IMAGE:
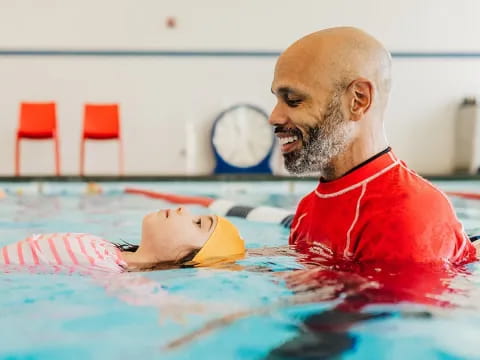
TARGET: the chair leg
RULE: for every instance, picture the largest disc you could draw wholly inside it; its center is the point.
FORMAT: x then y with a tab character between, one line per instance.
17	157
82	157
57	156
121	159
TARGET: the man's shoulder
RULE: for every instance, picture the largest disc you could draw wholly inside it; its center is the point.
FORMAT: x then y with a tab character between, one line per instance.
406	186
307	199
409	201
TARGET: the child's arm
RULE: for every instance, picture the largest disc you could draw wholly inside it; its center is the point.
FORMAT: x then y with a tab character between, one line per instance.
138	290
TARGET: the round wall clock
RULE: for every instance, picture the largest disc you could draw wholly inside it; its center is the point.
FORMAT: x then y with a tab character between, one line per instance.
242	140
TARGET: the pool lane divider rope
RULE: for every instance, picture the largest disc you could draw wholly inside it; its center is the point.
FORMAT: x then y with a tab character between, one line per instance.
223	207
267	214
175	199
464	195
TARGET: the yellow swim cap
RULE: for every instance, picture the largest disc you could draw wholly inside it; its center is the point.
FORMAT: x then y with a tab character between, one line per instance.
225	242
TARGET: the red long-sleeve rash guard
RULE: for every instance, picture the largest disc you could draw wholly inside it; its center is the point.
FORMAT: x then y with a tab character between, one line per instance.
381	211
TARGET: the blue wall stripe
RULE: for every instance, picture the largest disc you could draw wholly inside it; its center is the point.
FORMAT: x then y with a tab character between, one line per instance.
221	53
453	55
139	53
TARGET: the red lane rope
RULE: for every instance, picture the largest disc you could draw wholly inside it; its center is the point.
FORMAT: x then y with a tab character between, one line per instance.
176	199
465	195
206	201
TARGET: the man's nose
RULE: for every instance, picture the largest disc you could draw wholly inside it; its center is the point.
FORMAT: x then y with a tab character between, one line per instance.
278	116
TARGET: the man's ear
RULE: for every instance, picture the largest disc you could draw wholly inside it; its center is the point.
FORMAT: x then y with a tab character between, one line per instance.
361	97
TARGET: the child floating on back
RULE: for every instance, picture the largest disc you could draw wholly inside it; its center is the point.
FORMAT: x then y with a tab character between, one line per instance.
170	238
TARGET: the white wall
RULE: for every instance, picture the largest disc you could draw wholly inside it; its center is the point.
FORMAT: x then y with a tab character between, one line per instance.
159	96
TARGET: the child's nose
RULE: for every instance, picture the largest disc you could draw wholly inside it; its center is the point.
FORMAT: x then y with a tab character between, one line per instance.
181	211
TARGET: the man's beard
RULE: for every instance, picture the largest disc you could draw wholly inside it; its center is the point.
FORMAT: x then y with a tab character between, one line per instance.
322	143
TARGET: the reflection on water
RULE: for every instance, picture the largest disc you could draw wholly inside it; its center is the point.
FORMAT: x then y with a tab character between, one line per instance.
357	296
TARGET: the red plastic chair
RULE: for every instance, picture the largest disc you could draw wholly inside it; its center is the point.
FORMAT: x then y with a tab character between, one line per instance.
38	121
101	122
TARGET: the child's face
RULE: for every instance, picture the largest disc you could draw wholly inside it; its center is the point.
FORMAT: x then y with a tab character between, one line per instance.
171	234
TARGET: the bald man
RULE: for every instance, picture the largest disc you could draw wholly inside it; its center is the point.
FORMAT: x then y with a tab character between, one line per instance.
332	89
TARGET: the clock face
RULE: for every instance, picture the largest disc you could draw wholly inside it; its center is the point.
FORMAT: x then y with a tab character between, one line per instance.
242	136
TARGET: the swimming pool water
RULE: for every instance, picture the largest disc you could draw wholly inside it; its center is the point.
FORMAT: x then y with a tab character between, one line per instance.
243	311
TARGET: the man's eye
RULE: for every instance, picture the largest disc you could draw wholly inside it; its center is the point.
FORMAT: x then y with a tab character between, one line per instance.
292	102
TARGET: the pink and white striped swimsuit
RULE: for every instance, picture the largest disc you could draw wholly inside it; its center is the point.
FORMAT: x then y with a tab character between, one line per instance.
73	251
